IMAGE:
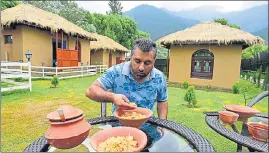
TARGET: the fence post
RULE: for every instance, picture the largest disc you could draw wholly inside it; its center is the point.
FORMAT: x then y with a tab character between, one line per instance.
43	71
42	63
21	67
81	64
30	75
56	71
56	68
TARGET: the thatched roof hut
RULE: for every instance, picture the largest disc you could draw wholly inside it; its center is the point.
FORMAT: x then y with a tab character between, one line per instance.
27	14
210	33
106	43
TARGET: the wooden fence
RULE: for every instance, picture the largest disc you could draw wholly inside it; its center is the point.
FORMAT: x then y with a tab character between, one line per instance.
67	72
13	70
253	64
162	65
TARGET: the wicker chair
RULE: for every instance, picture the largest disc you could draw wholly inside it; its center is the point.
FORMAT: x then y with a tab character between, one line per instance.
254	101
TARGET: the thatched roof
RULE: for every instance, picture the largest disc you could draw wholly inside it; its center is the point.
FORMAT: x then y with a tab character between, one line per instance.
27	14
106	43
210	33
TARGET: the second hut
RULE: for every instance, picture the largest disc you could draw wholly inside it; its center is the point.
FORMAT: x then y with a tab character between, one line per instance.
208	53
106	51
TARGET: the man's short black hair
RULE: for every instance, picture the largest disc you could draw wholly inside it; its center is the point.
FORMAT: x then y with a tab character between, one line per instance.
145	45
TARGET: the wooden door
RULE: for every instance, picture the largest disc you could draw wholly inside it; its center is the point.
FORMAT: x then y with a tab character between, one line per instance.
118	60
110	59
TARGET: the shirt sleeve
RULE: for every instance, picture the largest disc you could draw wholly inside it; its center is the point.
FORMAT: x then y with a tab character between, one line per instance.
162	94
107	79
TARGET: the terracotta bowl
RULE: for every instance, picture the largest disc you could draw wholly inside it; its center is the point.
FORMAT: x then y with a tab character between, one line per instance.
103	135
227	117
258	130
137	123
244	112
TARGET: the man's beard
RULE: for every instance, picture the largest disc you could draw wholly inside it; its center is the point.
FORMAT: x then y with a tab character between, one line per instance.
139	75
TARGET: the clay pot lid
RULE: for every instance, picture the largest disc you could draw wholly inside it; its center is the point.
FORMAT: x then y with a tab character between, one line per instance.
65	112
228	113
241	109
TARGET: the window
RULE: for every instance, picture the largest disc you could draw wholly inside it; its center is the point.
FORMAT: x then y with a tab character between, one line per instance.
202	64
8	39
60	43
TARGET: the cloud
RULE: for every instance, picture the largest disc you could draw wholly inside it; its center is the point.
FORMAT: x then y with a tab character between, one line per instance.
223	6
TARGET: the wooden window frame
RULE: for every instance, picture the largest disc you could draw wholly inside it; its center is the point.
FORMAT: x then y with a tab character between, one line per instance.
6	36
202	74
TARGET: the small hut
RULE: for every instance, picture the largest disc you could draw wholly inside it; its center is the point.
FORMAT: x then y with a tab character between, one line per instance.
106	51
208	53
48	36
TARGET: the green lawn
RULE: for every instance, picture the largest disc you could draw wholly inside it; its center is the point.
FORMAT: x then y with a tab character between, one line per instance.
24	113
4	85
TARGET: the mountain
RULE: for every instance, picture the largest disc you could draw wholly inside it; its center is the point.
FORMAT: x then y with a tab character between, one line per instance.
263	33
158	22
250	20
202	13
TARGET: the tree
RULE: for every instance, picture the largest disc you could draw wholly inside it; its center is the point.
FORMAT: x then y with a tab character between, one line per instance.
190	96
224	21
50	6
266	79
66	9
259	73
246	91
253	51
235	26
8	4
115	7
120	28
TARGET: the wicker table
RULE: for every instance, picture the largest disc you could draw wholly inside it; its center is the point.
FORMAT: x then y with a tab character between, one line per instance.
193	140
212	120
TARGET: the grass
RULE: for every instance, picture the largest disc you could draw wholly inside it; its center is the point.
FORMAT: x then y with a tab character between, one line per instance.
4	85
24	113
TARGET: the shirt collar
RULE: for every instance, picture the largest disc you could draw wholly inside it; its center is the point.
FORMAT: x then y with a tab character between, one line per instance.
127	70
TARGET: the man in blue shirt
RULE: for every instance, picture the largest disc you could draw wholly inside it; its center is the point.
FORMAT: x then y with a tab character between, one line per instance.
134	81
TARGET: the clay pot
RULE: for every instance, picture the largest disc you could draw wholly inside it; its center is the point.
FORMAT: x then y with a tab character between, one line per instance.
68	128
259	131
227	117
103	135
137	123
244	112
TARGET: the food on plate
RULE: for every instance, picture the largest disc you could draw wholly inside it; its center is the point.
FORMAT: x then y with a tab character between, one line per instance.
132	115
118	144
131	103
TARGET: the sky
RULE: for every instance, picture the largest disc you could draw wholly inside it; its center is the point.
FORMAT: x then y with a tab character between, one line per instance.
222	6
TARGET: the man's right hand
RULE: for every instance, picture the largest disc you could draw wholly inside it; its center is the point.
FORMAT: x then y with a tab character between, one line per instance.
121	101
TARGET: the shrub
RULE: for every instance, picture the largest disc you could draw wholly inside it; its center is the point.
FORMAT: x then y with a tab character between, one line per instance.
207	87
259	73
190	96
244	74
235	88
248	75
246	91
266	79
254	76
185	85
20	79
55	81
